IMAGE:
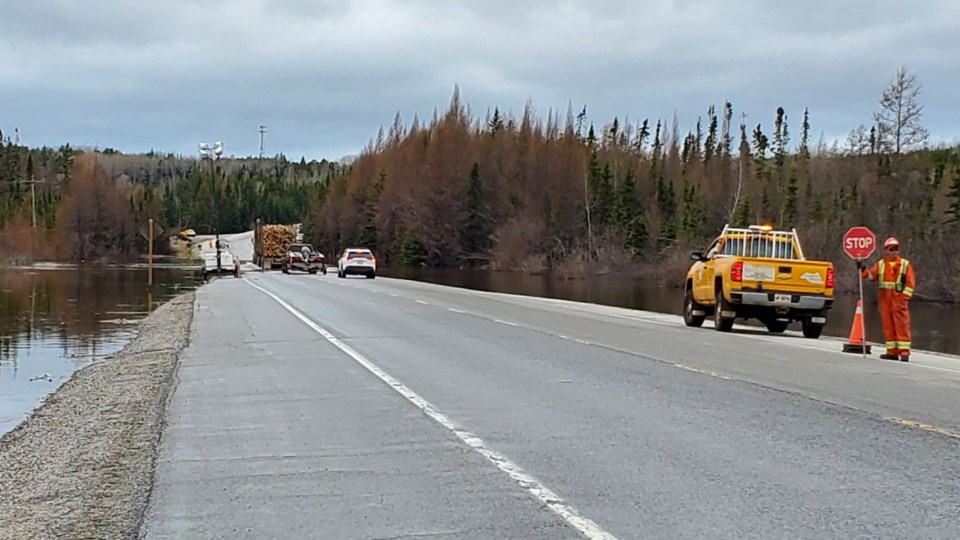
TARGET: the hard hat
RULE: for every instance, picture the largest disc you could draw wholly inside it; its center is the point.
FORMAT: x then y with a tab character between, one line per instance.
891	242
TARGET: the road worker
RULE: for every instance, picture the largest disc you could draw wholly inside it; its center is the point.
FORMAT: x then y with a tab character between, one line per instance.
896	281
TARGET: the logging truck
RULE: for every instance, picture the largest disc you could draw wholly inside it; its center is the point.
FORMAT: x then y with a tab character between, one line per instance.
271	242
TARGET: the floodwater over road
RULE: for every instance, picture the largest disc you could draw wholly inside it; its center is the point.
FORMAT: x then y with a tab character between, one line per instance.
56	320
936	327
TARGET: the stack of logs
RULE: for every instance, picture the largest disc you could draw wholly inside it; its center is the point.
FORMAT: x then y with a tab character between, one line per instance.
276	238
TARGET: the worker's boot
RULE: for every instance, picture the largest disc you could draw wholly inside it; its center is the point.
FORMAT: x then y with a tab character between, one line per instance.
904	357
888	357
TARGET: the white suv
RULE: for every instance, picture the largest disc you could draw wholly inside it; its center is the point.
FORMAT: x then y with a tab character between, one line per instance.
357	261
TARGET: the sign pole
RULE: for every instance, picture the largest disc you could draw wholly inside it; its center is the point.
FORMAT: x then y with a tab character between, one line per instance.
863	321
859	243
150	255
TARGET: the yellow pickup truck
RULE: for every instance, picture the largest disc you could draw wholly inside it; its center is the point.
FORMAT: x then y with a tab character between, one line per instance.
758	273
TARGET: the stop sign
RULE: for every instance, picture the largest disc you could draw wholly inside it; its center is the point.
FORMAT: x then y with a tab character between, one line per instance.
859	243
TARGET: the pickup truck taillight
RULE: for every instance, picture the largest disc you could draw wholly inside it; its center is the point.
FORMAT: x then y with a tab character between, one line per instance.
830	278
736	272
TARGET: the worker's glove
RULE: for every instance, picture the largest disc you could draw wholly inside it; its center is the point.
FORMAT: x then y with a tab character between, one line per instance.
861	266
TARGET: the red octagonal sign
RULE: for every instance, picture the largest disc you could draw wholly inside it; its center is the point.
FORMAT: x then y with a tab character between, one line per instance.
859	243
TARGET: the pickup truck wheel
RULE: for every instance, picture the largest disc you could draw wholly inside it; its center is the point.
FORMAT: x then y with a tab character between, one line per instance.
811	330
689	306
776	327
312	271
721	323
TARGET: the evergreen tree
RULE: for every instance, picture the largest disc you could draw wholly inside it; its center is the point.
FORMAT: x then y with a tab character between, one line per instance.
657	145
805	136
693	213
667	205
781	138
368	234
642	135
726	142
601	190
711	145
788	209
743	217
412	252
953	196
760	144
478	225
627	215
496	123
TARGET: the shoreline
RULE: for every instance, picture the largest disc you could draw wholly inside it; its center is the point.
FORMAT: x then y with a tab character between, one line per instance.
82	463
644	272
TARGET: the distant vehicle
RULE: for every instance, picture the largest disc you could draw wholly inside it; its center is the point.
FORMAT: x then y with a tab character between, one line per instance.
357	261
270	243
188	234
229	264
302	257
758	273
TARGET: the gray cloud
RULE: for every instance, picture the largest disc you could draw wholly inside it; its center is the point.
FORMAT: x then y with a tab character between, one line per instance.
325	75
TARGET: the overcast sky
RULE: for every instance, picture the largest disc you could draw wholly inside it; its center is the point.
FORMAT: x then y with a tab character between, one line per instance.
324	75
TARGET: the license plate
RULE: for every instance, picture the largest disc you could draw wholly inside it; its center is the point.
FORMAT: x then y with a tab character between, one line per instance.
782	298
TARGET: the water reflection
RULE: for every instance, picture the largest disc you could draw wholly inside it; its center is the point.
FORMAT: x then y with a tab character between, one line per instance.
935	326
53	321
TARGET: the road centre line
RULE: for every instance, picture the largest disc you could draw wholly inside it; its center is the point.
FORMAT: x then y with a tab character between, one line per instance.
421	302
926	427
914	364
765	339
585	526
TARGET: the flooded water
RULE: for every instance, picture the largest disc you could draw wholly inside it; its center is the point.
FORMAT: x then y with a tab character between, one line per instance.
53	321
936	327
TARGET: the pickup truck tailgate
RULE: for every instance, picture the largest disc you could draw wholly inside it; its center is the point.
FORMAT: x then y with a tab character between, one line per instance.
785	275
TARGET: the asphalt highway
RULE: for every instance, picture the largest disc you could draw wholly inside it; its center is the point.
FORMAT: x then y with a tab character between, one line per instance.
318	407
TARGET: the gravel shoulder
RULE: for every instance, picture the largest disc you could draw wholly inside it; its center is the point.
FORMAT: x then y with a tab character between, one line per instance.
82	465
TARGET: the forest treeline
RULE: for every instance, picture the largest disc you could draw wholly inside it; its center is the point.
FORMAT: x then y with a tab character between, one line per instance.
96	204
559	193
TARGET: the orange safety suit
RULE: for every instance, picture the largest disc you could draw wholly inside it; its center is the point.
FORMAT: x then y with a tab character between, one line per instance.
896	283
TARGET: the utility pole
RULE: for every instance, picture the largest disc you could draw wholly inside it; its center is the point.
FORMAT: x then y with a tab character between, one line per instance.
150	254
263	132
33	201
213	155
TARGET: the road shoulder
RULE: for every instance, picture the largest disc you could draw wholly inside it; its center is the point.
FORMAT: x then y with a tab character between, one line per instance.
81	465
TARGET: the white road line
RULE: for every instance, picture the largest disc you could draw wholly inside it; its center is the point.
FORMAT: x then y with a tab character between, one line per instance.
395	295
508	323
458	311
914	364
587	527
421	302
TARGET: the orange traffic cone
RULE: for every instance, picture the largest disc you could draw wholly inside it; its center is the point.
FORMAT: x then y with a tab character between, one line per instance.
856	343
